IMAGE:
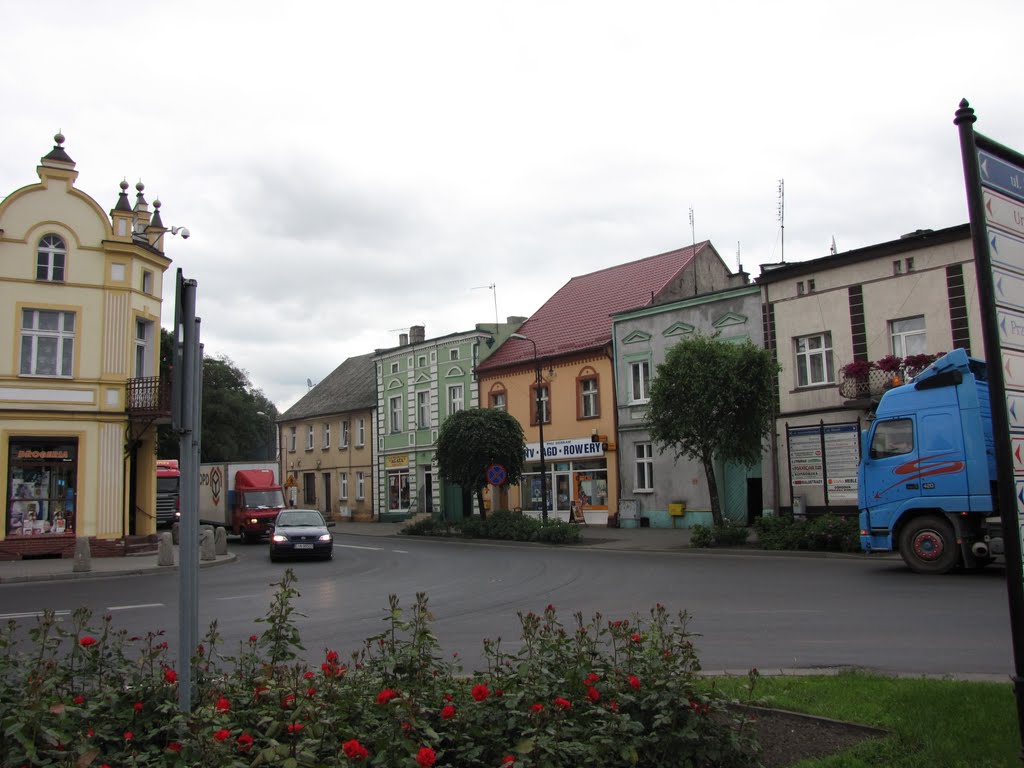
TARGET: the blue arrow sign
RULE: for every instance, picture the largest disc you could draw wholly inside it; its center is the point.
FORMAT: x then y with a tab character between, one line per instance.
1001	175
1006	250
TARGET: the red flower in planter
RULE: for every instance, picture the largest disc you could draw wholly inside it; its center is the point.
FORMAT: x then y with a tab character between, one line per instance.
426	757
354	750
480	692
223	705
858	369
386	695
244	742
593	694
222	734
562	703
447	712
174	747
170	676
537	708
889	364
86	641
634	682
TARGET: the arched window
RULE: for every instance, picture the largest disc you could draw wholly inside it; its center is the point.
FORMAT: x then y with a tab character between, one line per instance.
50	259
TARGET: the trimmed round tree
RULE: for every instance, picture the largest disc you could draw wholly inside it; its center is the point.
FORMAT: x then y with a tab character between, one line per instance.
470	441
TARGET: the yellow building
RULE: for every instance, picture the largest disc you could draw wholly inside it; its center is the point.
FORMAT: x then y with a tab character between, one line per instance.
557	375
80	394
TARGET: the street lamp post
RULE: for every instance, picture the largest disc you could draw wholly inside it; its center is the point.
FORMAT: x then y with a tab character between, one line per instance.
540	427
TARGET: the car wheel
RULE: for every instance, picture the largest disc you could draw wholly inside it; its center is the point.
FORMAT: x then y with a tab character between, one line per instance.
927	545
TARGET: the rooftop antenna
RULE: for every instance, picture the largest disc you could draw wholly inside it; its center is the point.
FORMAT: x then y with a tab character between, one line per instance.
834	250
739	264
309	384
693	240
782	216
493	288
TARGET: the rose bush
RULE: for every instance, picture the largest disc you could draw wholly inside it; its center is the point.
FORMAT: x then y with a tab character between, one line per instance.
597	692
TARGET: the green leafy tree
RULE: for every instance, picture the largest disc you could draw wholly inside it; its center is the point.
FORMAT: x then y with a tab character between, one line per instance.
233	429
471	441
712	400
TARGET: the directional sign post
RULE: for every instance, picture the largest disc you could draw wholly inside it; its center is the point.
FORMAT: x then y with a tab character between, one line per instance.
994	176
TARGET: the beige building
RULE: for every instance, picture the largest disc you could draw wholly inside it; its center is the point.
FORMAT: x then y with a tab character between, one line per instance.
874	307
80	397
327	454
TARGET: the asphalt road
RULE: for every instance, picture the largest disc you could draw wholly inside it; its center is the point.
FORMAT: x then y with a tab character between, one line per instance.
750	610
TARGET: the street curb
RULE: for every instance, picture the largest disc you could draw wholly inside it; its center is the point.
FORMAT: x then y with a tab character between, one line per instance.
113	574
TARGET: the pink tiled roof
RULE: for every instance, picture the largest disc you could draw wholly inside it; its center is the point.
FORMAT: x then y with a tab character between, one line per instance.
578	315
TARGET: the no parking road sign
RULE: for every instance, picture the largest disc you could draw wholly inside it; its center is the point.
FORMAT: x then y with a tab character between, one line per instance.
496	474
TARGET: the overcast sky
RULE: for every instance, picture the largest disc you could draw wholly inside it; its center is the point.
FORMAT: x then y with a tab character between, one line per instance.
349	169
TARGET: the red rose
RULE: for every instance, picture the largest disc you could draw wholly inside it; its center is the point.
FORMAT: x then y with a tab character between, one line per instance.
591	679
311	692
354	750
386	695
79	699
174	746
447	697
562	703
223	705
138	706
593	694
634	682
447	711
332	657
613	705
222	734
426	757
128	735
170	676
508	760
480	692
253	638
288	701
86	641
244	742
635	638
294	727
307	675
536	707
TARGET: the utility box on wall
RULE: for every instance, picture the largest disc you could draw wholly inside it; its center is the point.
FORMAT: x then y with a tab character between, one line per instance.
677	509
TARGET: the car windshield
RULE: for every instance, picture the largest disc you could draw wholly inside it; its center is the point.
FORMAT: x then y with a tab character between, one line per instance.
300	519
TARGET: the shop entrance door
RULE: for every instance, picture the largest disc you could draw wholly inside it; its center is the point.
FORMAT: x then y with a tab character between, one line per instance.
563	492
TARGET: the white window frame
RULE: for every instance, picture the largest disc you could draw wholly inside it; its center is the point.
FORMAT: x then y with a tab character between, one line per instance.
394	367
343	486
395	413
147	281
360	486
807	350
423	409
309	437
51	259
327	434
360	433
294	439
918	336
640	379
589	397
499	400
143	344
453	354
344	434
57	342
456	398
643	475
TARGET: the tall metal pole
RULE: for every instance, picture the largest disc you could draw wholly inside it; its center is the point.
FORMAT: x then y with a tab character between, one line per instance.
540	426
541	412
1006	488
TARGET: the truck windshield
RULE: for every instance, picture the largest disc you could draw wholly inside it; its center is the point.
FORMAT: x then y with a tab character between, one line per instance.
892	438
273	498
167	484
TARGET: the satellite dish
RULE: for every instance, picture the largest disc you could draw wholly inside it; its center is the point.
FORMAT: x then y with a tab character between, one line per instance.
309	383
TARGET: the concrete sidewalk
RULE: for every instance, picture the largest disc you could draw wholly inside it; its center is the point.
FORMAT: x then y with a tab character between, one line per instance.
665	540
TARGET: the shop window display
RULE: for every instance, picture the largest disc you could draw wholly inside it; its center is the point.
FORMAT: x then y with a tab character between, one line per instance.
42	498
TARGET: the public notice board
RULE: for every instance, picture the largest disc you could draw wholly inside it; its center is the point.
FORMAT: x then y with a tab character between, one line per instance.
825	455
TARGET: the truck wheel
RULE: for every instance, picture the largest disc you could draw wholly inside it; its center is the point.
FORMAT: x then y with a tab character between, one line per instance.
927	545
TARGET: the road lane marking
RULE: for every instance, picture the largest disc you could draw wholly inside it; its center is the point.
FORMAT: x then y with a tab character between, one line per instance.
355	546
132	607
30	614
241	597
401	551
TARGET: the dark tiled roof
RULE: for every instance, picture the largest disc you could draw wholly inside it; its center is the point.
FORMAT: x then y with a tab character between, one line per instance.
349	387
577	317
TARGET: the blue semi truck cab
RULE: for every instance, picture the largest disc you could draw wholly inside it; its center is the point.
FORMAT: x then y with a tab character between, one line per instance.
927	475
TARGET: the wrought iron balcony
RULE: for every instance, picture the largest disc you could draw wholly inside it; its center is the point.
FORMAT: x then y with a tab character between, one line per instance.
148	397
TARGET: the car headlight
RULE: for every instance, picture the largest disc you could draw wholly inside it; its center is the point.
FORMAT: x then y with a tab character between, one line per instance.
279	537
254	521
325	537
